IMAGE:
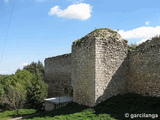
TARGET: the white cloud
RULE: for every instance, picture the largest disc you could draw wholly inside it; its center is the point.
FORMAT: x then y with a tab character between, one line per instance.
80	11
144	33
147	23
141	41
3	72
141	32
11	71
24	64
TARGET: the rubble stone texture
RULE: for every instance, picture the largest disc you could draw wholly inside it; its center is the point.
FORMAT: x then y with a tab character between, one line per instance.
144	69
101	66
58	75
97	64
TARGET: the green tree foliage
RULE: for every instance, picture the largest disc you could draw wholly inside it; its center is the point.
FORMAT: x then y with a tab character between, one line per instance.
6	80
25	86
1	94
35	68
15	96
24	77
37	91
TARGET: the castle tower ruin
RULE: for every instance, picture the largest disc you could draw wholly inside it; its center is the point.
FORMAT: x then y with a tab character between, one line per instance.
99	68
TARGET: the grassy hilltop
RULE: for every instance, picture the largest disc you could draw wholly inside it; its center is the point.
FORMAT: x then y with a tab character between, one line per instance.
114	108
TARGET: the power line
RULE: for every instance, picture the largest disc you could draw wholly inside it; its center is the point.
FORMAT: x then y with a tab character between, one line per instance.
6	35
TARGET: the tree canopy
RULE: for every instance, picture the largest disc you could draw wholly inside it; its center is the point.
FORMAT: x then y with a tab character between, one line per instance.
26	86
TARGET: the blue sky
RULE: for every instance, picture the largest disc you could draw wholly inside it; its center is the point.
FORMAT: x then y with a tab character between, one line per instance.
32	30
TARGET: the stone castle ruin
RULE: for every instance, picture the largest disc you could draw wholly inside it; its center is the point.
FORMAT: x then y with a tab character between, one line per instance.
101	66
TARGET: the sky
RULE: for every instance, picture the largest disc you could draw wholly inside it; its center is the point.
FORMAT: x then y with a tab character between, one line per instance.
32	30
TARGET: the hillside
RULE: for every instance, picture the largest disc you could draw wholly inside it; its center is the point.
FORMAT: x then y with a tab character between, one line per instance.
114	108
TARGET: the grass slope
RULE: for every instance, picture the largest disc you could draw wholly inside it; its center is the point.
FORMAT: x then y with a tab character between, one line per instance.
111	109
11	114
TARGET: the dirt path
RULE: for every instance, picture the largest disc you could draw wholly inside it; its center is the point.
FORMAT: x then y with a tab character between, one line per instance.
24	117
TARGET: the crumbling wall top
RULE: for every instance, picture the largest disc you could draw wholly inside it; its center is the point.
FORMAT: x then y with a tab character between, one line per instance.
104	33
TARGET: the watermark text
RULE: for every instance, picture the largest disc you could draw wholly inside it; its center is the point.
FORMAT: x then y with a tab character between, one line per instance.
141	115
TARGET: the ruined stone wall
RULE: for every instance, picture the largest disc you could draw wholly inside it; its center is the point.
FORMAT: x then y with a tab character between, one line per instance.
58	75
83	71
144	69
99	67
111	65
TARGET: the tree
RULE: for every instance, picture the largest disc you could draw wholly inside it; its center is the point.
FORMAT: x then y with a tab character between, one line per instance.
35	68
15	96
15	87
24	77
32	77
25	86
6	80
1	94
37	91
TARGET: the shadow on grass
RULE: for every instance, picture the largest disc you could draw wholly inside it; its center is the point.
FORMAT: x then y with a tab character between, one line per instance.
119	105
70	108
116	107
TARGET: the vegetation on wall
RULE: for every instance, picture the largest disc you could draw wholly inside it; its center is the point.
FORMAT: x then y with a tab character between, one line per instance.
79	41
132	47
109	30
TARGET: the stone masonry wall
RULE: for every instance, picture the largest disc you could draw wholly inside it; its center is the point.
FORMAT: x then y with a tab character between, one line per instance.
58	75
83	71
111	65
100	67
144	69
98	70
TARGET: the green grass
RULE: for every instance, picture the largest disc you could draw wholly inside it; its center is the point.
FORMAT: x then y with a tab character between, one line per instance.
111	109
87	114
11	114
